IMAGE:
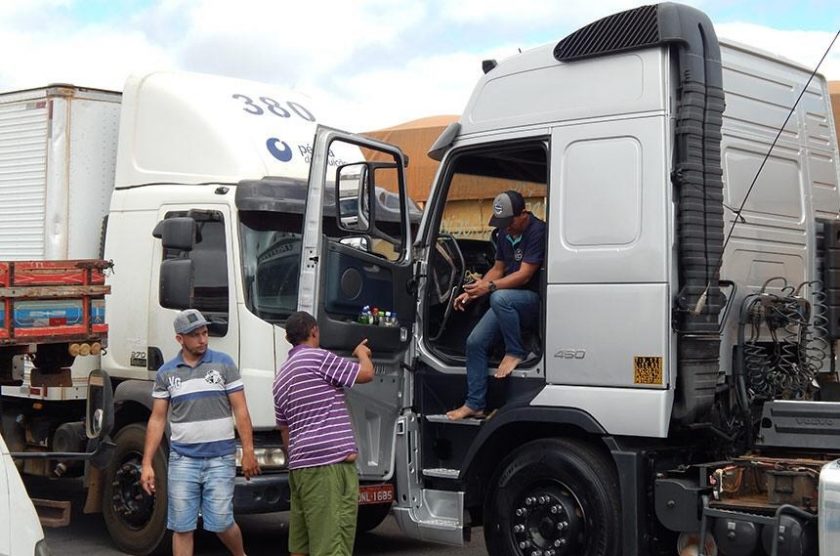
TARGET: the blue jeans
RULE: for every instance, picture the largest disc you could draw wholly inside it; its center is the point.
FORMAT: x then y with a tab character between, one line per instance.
509	310
200	483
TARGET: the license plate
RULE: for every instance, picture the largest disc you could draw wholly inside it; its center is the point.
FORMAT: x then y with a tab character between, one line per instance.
376	494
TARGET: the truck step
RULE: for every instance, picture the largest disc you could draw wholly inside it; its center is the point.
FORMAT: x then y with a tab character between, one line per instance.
442	473
442	418
53	513
442	524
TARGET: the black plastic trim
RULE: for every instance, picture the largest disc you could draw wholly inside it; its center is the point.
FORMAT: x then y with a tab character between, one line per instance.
518	415
263	494
139	391
628	30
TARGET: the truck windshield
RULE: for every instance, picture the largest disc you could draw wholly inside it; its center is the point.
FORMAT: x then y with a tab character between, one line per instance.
271	263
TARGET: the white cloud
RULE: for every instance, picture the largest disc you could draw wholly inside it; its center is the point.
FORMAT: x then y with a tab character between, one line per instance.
803	47
92	57
532	12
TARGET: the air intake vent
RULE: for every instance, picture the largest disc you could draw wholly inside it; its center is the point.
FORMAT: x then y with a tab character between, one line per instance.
629	30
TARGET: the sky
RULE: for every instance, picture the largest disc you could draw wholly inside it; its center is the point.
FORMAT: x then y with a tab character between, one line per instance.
368	64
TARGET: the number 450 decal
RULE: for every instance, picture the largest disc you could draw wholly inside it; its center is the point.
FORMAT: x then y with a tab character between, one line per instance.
268	104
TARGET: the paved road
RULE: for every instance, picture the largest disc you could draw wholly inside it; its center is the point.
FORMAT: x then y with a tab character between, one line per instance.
264	534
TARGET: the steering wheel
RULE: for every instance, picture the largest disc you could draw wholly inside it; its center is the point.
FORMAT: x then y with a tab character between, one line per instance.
448	269
447	275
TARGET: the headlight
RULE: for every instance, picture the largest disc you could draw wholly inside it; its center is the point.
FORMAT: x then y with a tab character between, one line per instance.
267	458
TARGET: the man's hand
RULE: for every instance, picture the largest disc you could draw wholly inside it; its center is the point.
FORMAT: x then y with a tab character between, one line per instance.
147	479
250	467
477	289
362	350
461	301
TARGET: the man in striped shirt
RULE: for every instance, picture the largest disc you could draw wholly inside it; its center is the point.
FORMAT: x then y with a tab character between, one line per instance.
205	394
312	415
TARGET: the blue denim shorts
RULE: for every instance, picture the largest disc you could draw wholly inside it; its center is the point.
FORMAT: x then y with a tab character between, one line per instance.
204	484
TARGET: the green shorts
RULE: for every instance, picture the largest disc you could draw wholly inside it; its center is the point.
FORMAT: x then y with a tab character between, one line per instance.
325	502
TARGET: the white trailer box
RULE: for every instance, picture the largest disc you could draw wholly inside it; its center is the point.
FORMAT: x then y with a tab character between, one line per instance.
58	149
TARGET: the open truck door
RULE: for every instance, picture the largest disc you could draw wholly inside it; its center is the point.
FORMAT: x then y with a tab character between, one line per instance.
357	280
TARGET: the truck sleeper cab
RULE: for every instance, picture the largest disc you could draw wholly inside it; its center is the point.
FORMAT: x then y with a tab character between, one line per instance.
636	138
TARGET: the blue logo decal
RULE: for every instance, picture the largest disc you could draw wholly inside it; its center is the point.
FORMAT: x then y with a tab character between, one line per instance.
279	149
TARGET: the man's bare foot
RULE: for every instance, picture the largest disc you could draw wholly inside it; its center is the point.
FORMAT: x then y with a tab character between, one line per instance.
507	365
464	412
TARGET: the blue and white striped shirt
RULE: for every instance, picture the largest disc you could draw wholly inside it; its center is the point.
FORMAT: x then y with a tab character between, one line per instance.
200	418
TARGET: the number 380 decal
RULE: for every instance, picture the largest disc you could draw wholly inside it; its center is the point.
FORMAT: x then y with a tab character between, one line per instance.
267	105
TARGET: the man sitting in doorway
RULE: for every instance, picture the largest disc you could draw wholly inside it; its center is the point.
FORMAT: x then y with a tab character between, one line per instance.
513	285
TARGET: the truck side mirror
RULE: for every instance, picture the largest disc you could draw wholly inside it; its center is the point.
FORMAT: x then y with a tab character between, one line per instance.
100	406
176	283
352	197
177	233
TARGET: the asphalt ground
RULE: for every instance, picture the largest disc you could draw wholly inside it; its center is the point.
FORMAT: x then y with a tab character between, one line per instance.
265	534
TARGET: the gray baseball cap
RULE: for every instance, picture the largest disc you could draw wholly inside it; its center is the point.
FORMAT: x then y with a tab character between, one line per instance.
506	205
188	320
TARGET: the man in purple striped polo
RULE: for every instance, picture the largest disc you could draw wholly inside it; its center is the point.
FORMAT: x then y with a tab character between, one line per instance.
312	415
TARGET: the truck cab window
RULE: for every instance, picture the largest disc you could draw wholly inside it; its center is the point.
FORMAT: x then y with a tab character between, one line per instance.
270	263
209	257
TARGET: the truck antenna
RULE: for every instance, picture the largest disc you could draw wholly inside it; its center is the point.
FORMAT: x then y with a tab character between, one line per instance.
701	301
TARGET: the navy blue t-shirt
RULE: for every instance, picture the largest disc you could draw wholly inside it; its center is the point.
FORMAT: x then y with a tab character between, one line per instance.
528	247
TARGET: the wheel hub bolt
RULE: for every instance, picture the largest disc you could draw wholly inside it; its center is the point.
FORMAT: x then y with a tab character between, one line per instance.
520	512
537	553
555	509
557	543
549	553
530	501
544	499
518	528
562	525
524	544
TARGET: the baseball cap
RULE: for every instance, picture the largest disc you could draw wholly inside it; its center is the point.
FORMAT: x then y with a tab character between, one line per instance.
506	205
188	320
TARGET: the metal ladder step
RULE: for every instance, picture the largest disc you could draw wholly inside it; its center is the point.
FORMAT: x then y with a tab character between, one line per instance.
53	513
442	418
442	473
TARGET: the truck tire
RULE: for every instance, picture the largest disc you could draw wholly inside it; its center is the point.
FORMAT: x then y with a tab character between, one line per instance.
371	516
555	495
135	521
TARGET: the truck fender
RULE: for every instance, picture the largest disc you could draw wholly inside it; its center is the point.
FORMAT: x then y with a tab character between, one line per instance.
523	415
628	461
139	391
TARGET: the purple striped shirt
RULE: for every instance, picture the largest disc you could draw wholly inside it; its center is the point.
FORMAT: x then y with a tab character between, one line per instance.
309	400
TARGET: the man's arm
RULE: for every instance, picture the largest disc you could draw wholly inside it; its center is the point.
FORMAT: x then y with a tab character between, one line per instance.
496	271
480	287
511	281
362	353
284	432
519	278
154	434
246	435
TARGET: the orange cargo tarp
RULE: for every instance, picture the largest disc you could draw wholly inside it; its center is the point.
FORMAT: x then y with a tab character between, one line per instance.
415	138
